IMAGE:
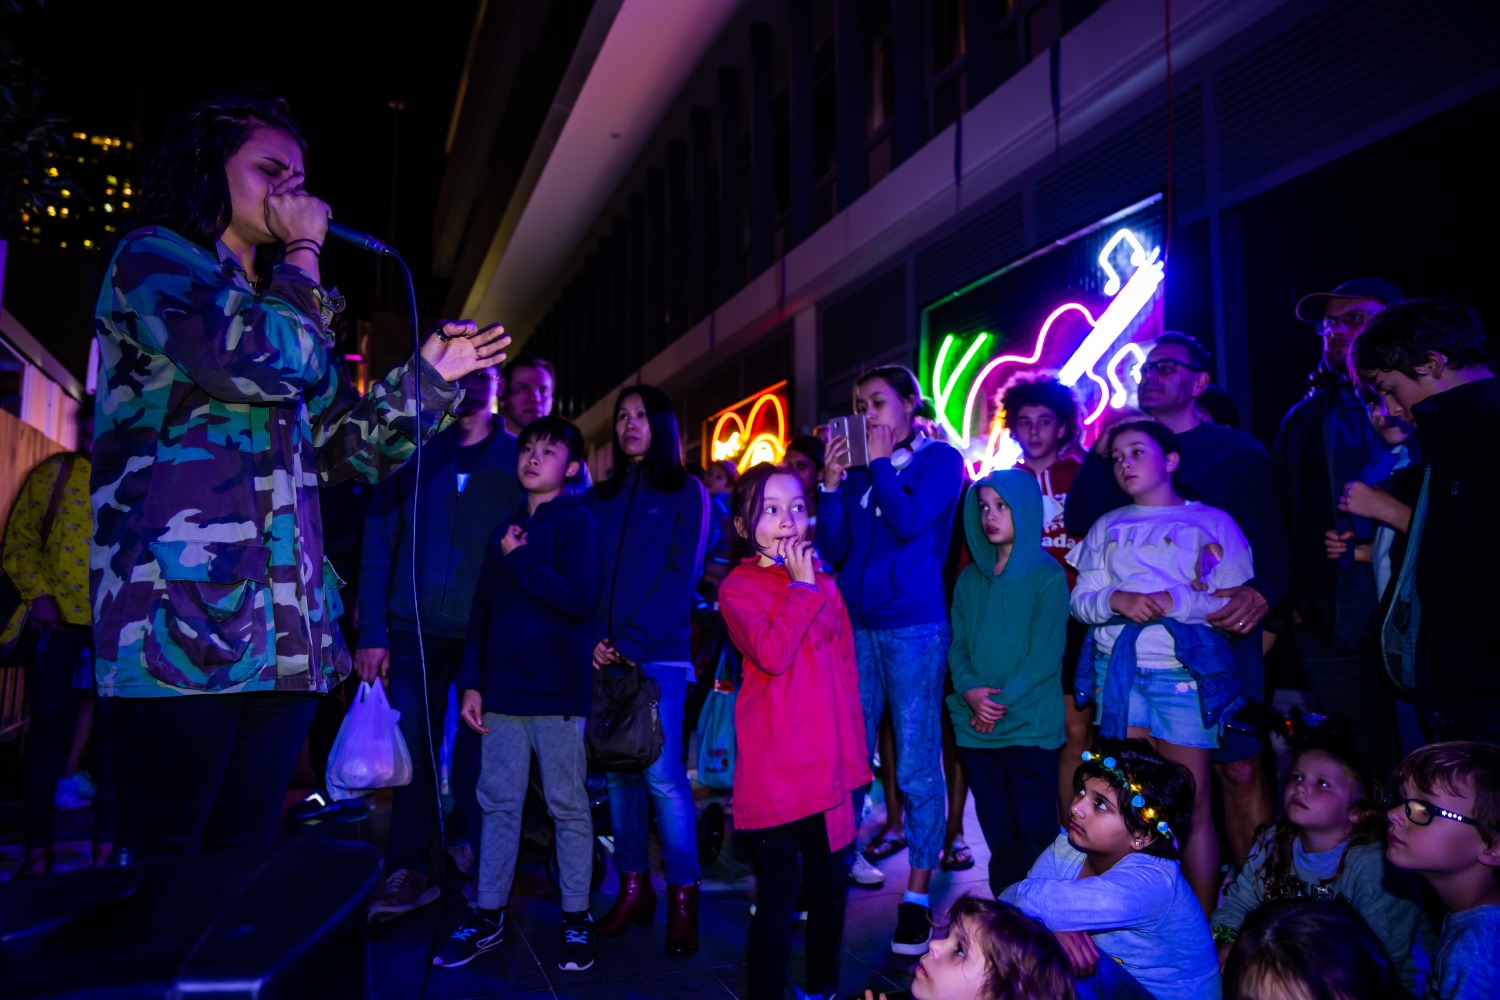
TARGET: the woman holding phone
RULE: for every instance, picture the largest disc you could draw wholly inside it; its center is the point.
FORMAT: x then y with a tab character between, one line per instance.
887	526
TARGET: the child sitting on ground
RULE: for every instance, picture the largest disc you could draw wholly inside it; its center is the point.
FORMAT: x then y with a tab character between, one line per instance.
1110	887
1445	826
528	687
1326	845
991	951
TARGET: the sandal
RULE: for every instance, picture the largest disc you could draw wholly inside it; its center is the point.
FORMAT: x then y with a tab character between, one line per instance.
957	858
879	850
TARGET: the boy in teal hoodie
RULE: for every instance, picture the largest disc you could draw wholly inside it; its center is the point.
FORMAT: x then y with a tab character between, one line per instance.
1010	609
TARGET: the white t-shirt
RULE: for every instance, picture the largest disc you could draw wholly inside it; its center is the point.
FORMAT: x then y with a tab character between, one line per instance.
1189	551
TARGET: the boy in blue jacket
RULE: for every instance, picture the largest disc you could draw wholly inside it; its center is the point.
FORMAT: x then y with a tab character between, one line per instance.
527	687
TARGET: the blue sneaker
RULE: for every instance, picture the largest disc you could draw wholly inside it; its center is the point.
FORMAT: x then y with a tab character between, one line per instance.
474	936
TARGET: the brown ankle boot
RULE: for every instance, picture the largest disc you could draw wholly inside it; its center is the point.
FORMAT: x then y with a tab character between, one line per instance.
636	903
682	920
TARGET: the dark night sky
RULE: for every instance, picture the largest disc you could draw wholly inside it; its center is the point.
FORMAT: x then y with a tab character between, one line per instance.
338	64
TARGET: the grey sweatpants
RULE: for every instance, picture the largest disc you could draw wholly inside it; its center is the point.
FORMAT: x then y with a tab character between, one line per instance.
505	772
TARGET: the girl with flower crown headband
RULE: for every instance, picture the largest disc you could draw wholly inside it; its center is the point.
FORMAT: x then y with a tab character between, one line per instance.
1111	888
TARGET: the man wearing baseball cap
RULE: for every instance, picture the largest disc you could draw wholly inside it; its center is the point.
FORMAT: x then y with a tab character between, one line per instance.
1326	441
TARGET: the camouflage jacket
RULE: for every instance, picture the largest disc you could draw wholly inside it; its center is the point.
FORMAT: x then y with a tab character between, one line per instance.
221	409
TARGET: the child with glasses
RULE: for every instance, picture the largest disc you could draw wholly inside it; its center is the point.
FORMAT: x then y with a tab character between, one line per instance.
1445	826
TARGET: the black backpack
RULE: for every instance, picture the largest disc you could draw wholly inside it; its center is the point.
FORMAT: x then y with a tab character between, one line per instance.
624	729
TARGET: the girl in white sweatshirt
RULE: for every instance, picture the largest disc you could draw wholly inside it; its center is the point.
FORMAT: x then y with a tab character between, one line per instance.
1147	575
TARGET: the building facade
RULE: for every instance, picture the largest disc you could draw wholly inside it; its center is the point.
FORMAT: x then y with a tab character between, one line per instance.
720	198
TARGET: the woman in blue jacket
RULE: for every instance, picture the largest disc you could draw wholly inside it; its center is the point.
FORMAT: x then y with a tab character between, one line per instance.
653	518
887	527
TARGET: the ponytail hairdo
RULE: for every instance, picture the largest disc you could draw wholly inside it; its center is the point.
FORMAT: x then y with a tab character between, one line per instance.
904	384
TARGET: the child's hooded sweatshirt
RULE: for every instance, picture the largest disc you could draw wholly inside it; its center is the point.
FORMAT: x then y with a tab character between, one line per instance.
1009	628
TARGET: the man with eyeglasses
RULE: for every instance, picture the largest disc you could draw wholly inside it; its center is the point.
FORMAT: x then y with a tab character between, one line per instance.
1228	469
1324	442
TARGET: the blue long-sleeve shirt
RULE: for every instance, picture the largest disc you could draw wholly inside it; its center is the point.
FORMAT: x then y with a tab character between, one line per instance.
1141	912
888	529
531	632
653	559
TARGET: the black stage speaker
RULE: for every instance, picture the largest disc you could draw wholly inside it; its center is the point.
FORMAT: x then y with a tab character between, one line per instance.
268	924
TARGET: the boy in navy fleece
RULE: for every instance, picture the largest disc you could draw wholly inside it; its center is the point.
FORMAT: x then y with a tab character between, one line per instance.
527	686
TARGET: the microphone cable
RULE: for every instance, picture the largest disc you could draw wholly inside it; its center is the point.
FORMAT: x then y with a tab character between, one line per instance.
416	597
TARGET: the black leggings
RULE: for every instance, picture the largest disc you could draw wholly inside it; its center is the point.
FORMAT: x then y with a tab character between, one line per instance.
206	771
821	885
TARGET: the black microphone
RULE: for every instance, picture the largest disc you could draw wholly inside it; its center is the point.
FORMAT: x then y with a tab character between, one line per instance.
356	238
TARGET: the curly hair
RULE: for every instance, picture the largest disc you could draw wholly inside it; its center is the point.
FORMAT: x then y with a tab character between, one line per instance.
1027	389
1022	959
183	186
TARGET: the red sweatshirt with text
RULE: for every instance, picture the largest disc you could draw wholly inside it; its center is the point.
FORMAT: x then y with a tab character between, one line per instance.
1055	482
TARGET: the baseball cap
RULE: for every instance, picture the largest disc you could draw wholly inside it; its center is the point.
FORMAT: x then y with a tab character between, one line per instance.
1310	307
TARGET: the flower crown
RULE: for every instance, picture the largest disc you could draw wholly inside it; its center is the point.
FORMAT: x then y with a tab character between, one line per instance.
1137	800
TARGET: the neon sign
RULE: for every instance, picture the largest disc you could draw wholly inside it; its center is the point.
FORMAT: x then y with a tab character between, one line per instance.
1101	383
750	432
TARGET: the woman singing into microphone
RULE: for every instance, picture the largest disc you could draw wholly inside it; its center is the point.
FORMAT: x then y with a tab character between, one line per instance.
221	409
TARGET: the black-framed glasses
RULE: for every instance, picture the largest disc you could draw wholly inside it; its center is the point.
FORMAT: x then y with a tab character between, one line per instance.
1354	319
1166	366
1422	812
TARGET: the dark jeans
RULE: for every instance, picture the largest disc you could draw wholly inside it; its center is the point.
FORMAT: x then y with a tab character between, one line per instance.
205	772
414	807
1110	981
821	884
53	714
1015	798
1350	680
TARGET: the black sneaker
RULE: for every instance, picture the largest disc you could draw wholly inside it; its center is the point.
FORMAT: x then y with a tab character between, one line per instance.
913	929
474	936
577	941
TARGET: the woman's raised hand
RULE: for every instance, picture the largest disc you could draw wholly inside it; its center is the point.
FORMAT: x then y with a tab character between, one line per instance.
461	347
881	441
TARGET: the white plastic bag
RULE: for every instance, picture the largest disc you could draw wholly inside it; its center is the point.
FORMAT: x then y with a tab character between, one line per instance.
369	751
